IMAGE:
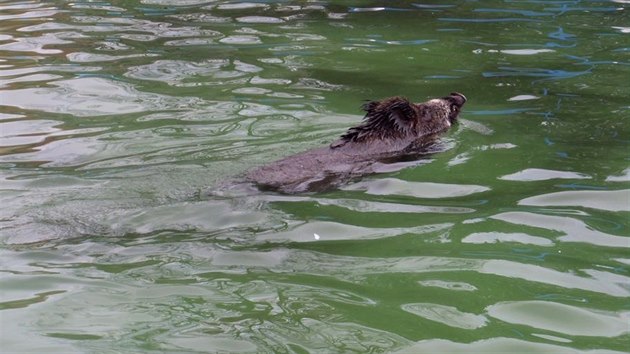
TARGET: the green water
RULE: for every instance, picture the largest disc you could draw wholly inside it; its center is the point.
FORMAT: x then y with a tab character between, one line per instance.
122	124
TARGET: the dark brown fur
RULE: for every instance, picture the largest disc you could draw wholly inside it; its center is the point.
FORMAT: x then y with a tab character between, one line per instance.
391	127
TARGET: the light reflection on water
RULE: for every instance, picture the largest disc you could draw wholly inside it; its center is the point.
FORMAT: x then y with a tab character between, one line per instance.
124	128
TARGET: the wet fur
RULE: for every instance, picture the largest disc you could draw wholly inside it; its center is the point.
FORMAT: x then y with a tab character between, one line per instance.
393	127
392	118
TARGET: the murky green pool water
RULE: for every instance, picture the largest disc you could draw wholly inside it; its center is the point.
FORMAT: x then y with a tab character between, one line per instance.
118	120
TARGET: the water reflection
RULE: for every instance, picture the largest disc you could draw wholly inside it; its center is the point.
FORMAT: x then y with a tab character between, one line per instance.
447	315
492	237
565	319
572	229
493	344
125	127
538	174
92	96
388	186
326	231
26	133
176	72
604	200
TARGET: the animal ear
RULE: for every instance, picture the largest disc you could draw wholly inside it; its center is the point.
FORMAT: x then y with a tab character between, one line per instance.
399	111
457	98
370	106
395	108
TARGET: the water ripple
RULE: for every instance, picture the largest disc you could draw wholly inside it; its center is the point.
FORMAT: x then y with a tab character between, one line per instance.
561	318
548	74
573	230
498	344
92	96
83	57
447	315
538	174
604	200
494	237
25	133
389	186
33	14
328	231
176	72
125	130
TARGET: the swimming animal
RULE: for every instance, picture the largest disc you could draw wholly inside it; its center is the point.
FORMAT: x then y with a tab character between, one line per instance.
392	128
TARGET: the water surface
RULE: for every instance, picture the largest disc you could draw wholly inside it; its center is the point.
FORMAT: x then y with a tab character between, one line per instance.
121	123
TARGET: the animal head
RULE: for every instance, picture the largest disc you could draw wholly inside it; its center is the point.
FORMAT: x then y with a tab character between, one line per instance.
396	118
457	101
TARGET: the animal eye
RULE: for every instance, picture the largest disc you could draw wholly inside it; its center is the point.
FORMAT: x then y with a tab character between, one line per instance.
454	108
